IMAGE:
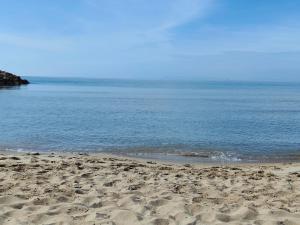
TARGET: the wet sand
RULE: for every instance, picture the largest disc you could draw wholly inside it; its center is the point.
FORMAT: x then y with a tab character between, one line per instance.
104	189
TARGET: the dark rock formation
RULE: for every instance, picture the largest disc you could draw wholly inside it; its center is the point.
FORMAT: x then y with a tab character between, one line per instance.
9	79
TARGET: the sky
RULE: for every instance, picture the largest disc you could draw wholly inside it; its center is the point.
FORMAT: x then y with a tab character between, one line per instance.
256	40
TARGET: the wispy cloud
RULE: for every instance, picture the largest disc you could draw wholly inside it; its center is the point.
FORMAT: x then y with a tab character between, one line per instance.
136	37
182	11
261	39
130	24
32	43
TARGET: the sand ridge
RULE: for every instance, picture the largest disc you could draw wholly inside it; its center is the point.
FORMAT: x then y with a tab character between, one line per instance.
99	189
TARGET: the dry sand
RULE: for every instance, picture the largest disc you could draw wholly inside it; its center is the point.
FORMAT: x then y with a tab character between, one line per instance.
99	189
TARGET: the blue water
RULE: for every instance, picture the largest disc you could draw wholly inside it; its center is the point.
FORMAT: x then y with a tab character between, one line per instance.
154	119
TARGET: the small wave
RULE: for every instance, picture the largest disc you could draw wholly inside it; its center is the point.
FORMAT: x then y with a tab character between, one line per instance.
181	156
13	150
225	157
214	156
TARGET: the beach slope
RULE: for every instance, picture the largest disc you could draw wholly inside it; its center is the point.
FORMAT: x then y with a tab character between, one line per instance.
100	189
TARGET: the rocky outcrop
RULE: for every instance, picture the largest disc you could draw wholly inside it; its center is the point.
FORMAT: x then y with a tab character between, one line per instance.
9	79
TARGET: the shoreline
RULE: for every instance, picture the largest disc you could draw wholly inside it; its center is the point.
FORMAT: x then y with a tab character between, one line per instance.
145	159
56	188
180	157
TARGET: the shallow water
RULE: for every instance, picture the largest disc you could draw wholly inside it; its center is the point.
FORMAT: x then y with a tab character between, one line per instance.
210	121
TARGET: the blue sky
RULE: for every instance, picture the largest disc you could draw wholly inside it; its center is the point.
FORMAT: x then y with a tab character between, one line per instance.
157	39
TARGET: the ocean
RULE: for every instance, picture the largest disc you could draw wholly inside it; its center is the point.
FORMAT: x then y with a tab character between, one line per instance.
187	121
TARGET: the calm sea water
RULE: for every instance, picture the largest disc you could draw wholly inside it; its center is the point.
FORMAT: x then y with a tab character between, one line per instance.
170	120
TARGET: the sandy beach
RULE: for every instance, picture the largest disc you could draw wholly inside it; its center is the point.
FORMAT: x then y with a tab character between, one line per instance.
102	189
